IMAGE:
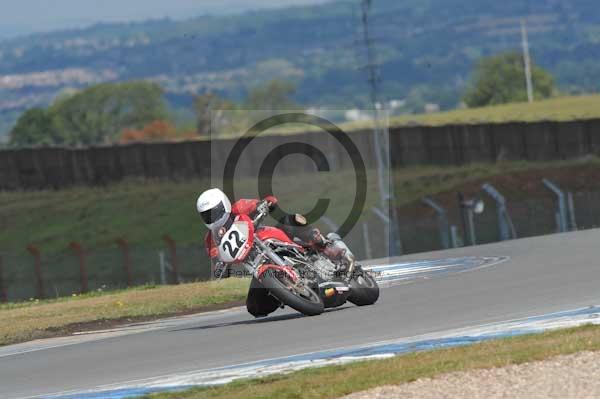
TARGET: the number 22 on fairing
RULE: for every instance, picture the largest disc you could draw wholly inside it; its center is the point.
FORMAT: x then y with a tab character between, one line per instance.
231	248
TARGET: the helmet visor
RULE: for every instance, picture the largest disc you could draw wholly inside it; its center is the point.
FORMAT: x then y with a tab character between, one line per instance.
212	215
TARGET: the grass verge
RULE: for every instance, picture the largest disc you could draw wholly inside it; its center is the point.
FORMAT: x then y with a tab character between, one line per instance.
561	109
554	109
42	319
143	213
336	381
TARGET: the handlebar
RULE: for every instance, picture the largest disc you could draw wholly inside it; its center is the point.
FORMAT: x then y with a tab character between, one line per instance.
264	205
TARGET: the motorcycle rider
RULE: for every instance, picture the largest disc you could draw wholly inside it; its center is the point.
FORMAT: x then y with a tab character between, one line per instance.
217	212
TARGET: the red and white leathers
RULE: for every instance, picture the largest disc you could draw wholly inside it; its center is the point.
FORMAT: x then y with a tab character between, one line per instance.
294	226
241	207
258	302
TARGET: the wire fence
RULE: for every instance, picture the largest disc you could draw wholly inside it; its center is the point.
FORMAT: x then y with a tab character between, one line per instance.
29	275
34	274
534	217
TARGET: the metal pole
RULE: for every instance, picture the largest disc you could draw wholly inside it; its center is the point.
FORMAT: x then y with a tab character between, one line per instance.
464	217
527	61
562	206
174	258
163	268
39	281
442	217
381	142
572	211
504	222
472	234
511	226
3	293
454	236
367	241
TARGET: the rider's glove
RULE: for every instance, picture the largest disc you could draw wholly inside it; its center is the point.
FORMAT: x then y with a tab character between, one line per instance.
271	201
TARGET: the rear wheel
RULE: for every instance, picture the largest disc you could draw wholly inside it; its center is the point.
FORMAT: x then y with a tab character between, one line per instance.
363	288
296	295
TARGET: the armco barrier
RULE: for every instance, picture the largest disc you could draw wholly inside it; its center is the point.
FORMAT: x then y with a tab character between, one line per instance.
419	145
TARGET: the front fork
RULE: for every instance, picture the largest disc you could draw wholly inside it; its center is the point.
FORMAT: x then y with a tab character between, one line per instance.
267	254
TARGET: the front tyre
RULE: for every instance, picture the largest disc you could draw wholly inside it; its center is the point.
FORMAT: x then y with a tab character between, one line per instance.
364	290
295	295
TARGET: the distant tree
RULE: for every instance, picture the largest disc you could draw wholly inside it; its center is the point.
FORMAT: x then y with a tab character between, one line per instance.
276	94
158	130
99	114
501	79
209	109
34	127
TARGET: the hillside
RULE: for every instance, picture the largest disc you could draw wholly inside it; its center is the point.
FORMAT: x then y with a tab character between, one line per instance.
427	49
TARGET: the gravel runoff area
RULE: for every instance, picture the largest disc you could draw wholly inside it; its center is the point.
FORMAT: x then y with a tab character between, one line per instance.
572	376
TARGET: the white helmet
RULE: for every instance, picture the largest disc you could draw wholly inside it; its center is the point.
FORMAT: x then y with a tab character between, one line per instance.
214	207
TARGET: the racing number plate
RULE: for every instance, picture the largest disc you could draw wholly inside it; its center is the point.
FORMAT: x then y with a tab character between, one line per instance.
232	248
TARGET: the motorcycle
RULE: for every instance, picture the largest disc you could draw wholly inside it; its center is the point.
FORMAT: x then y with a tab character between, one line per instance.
296	276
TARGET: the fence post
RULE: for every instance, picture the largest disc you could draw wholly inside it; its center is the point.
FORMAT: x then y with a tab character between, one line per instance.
124	245
80	253
444	226
562	205
174	259
367	241
506	228
39	281
468	221
454	236
3	293
571	203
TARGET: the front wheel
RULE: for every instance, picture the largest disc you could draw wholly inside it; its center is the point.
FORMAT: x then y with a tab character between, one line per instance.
296	295
363	288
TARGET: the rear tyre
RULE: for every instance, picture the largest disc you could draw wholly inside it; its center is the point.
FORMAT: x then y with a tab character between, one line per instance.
299	297
364	290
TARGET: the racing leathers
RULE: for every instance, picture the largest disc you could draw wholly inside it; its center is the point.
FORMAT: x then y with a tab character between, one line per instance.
259	302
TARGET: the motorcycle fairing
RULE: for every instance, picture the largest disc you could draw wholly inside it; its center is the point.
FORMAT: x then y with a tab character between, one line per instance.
236	243
268	233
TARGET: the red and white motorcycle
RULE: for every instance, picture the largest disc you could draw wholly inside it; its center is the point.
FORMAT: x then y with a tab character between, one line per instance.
299	277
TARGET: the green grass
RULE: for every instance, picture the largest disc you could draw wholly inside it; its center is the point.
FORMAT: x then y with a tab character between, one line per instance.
554	109
144	212
337	381
25	321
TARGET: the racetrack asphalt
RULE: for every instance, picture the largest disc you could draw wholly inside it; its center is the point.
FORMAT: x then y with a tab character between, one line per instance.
543	275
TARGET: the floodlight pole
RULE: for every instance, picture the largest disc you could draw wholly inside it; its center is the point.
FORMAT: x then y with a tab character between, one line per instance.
527	60
381	142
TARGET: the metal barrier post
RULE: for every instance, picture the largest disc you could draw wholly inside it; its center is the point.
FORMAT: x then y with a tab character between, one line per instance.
80	253
454	236
124	245
443	224
3	293
467	220
39	281
562	206
174	259
367	241
572	212
505	226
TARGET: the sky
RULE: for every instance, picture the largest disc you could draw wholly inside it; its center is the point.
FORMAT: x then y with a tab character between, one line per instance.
18	17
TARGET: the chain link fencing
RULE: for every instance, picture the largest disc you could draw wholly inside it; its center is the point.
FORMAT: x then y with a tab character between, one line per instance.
107	269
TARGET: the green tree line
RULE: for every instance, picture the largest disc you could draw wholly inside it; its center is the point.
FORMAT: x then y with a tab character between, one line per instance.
100	114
